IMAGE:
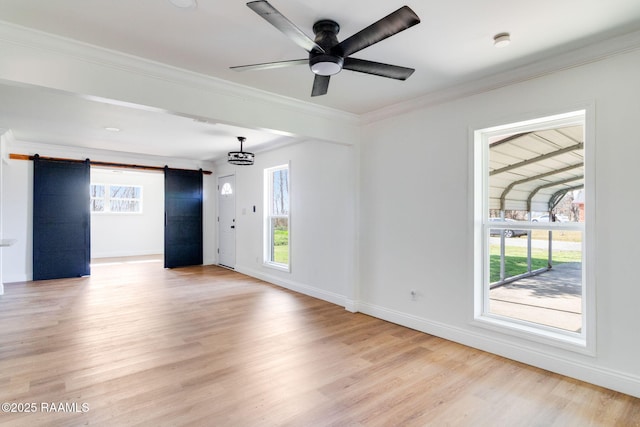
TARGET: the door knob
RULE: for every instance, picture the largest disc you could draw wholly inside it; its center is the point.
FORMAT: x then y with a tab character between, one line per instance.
233	226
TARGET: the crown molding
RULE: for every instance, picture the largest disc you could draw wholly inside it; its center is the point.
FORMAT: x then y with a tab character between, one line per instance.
6	138
78	50
7	135
578	57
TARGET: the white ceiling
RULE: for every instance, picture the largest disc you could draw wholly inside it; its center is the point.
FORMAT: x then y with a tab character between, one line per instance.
48	116
452	45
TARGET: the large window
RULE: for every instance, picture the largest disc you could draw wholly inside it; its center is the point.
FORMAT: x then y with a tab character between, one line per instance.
116	198
277	237
530	193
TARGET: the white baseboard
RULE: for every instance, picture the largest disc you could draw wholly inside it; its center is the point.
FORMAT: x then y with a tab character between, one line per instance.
311	291
117	254
604	377
18	278
351	305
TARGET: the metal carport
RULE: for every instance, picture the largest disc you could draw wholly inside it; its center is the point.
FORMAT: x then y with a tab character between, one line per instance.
532	172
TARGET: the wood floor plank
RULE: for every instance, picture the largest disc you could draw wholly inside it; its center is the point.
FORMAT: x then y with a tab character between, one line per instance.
200	346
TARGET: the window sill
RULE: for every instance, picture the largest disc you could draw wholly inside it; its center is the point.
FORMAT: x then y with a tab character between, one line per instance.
565	340
116	213
278	266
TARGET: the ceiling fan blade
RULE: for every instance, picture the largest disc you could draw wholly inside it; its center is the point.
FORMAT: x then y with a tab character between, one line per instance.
391	24
278	20
320	85
270	65
377	68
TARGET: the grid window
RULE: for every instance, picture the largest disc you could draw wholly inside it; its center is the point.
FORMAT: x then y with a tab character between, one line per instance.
115	198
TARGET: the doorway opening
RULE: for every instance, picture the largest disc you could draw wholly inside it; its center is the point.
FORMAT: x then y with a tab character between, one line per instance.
127	217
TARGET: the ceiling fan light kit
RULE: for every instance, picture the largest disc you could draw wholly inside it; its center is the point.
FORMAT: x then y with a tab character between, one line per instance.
328	56
326	65
241	158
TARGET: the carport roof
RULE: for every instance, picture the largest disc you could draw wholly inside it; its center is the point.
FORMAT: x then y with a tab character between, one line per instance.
532	171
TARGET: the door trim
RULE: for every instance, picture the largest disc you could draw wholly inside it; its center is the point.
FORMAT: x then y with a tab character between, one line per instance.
232	175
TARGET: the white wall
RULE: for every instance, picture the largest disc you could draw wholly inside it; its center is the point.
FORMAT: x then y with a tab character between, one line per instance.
114	235
416	219
17	212
17	200
322	218
2	149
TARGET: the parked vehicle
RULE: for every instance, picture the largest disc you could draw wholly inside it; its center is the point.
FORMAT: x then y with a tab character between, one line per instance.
545	218
508	232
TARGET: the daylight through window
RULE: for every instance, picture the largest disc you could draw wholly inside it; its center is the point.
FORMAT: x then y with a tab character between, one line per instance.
532	209
116	198
277	237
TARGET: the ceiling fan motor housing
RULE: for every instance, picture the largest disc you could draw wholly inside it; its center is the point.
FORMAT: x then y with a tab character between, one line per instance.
328	63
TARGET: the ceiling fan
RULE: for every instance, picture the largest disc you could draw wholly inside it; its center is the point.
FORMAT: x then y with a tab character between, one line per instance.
327	56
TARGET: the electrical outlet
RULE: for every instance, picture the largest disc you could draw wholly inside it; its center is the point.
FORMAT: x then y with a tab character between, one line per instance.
414	295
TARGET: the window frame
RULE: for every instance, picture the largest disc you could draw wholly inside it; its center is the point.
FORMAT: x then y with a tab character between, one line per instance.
107	199
269	217
103	198
583	342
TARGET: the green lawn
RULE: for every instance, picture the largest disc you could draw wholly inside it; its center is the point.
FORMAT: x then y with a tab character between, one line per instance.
281	254
281	246
516	260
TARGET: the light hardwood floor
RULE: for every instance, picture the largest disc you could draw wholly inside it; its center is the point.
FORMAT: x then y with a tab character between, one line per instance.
140	345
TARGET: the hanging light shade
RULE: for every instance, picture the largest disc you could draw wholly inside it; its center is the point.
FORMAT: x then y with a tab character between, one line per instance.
242	158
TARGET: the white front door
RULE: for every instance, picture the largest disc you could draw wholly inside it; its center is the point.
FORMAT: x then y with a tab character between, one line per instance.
227	221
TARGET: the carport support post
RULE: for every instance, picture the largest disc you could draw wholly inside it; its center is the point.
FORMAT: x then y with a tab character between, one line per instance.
529	236
502	272
550	254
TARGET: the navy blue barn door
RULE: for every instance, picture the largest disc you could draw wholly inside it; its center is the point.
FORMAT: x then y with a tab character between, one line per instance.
183	218
61	219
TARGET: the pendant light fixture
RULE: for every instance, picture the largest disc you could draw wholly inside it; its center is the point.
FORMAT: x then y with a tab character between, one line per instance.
241	158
